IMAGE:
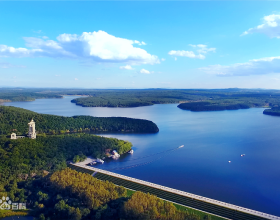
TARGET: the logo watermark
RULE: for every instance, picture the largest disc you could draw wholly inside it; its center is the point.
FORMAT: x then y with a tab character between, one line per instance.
7	204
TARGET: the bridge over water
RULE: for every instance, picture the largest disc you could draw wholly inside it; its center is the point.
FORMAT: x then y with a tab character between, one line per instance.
204	204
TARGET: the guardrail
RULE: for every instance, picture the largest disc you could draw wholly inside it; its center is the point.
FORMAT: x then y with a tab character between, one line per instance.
190	195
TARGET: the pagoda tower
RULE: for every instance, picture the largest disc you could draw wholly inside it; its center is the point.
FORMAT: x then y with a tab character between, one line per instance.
31	131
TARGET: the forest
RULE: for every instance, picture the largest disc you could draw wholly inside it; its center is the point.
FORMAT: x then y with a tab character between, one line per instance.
21	95
14	119
220	99
68	194
275	111
212	106
146	97
25	157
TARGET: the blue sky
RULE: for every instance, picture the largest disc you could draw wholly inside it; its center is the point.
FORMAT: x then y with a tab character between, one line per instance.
143	44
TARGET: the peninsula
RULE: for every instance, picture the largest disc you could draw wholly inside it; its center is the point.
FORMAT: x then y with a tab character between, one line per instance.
52	124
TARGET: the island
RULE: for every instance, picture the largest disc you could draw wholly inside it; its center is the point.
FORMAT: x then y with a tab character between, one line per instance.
211	106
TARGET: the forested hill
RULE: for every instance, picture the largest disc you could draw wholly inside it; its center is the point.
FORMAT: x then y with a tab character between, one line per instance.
14	119
212	106
145	97
273	111
20	95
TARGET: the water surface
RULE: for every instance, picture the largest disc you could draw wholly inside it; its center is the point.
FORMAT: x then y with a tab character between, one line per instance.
211	139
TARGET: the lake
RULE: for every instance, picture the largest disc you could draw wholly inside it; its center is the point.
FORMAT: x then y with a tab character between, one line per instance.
201	167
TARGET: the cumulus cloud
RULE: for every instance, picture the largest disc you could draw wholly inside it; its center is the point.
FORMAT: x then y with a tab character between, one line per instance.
94	46
253	67
127	67
145	71
200	48
270	26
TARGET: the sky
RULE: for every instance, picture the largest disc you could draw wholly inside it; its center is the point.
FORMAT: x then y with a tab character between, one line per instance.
140	44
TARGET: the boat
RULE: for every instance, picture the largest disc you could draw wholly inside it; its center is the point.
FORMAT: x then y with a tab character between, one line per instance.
181	146
242	155
116	156
99	160
130	152
229	161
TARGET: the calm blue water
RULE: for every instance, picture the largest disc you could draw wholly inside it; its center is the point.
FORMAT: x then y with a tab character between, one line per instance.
211	139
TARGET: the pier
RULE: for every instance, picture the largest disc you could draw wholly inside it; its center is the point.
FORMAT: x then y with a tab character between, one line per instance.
215	207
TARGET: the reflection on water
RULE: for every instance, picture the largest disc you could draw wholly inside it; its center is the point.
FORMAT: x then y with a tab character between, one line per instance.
211	139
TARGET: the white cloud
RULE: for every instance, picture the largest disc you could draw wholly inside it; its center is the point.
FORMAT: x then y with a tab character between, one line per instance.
200	48
184	53
127	67
91	46
76	79
145	71
139	43
253	67
270	26
6	51
162	59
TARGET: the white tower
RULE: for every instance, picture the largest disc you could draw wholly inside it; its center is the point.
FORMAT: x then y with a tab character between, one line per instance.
13	136
31	131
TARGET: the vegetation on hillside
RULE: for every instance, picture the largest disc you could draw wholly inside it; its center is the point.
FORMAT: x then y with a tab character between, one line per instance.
68	194
24	158
14	119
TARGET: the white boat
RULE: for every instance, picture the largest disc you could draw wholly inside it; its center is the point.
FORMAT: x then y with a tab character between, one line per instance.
181	146
99	160
131	151
116	156
229	161
242	155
